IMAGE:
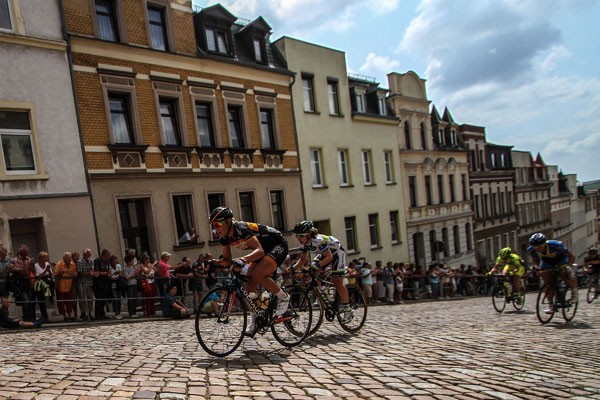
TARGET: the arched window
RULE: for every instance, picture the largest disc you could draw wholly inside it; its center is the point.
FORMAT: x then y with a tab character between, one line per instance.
407	136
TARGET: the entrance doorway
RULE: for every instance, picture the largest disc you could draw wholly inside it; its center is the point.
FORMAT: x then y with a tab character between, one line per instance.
134	228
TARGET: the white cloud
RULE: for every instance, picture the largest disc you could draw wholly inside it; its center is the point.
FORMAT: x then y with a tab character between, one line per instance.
374	63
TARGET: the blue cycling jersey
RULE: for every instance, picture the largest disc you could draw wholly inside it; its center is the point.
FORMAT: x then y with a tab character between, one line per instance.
553	254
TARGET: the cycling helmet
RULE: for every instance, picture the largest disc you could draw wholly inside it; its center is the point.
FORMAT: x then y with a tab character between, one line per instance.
537	239
303	227
592	250
505	252
220	214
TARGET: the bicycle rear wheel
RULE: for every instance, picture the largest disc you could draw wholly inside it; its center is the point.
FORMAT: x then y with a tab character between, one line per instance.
318	311
543	304
498	298
358	306
220	321
569	308
518	301
592	293
293	327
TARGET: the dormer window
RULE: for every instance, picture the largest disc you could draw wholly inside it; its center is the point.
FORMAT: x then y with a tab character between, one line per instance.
259	44
382	106
216	41
360	102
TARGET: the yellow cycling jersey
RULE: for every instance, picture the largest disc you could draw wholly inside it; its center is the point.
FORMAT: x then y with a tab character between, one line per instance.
512	265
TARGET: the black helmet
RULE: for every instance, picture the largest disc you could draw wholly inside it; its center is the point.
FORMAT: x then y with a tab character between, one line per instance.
304	227
220	214
537	239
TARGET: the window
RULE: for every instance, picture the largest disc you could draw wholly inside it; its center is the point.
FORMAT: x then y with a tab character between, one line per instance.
205	124
350	228
120	115
236	127
158	28
315	168
412	186
452	194
440	137
332	94
394	227
388	166
456	234
428	190
445	240
453	139
432	245
184	213
106	19
374	230
170	122
17	142
469	237
423	140
5	22
440	184
308	93
360	102
343	167
267	129
277	209
258	50
382	106
463	182
407	141
247	206
366	159
216	41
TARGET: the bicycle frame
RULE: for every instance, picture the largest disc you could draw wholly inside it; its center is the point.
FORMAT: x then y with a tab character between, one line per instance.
316	285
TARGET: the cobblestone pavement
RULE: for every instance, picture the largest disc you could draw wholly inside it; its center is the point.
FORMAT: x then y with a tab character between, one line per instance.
458	349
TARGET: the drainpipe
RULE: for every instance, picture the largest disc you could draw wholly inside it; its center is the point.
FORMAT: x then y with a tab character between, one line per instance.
292	81
87	176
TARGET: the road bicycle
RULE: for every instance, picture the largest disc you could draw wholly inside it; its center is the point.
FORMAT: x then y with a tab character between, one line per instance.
502	294
555	295
326	303
222	317
592	292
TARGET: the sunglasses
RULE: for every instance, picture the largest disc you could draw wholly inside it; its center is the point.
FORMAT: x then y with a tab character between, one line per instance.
217	224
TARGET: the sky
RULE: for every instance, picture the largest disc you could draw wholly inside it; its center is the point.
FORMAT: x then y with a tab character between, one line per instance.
526	70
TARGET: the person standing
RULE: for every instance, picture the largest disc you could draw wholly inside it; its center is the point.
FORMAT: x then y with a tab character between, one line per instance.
65	273
130	273
5	264
389	279
21	267
163	273
85	273
101	283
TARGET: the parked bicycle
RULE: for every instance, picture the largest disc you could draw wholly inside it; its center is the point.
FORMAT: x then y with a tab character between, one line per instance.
553	296
502	294
222	317
326	303
592	292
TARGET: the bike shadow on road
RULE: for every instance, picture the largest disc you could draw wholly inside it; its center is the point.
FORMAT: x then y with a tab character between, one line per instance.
245	359
332	338
569	325
519	312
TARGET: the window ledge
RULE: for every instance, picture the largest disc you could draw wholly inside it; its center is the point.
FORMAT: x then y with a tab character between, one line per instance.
24	177
194	245
396	243
337	115
376	247
390	183
346	186
312	112
320	187
353	252
370	184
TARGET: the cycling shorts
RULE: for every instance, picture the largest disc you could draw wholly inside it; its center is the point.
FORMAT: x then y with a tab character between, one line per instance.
546	265
275	253
338	264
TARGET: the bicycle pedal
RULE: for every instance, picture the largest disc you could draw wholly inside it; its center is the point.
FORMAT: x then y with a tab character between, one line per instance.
282	318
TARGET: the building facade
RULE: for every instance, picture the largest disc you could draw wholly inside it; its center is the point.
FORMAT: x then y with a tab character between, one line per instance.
348	152
434	165
491	178
44	196
181	111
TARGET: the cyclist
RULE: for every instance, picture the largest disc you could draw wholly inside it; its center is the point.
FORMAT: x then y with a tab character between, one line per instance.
552	253
513	268
330	253
268	249
591	264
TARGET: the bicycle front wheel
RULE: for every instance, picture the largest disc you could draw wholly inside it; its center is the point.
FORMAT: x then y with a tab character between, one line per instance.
545	309
221	321
292	328
318	311
592	293
498	298
569	308
358	309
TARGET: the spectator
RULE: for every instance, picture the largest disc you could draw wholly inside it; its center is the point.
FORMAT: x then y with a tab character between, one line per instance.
101	283
190	237
417	279
389	279
6	321
43	283
85	273
163	273
147	272
196	284
171	307
366	281
21	267
5	264
65	273
115	276
352	275
130	273
399	281
378	287
183	273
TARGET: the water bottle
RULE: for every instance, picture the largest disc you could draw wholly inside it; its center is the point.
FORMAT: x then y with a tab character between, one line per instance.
253	296
265	299
331	294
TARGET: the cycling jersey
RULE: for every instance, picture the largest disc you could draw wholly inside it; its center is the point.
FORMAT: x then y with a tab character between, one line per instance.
594	262
271	240
512	265
554	254
322	243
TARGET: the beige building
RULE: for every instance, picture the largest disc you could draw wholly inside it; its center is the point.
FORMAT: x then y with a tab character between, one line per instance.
181	111
435	169
348	151
44	197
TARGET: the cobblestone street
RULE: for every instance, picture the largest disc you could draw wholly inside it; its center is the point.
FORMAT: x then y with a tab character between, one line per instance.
458	349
